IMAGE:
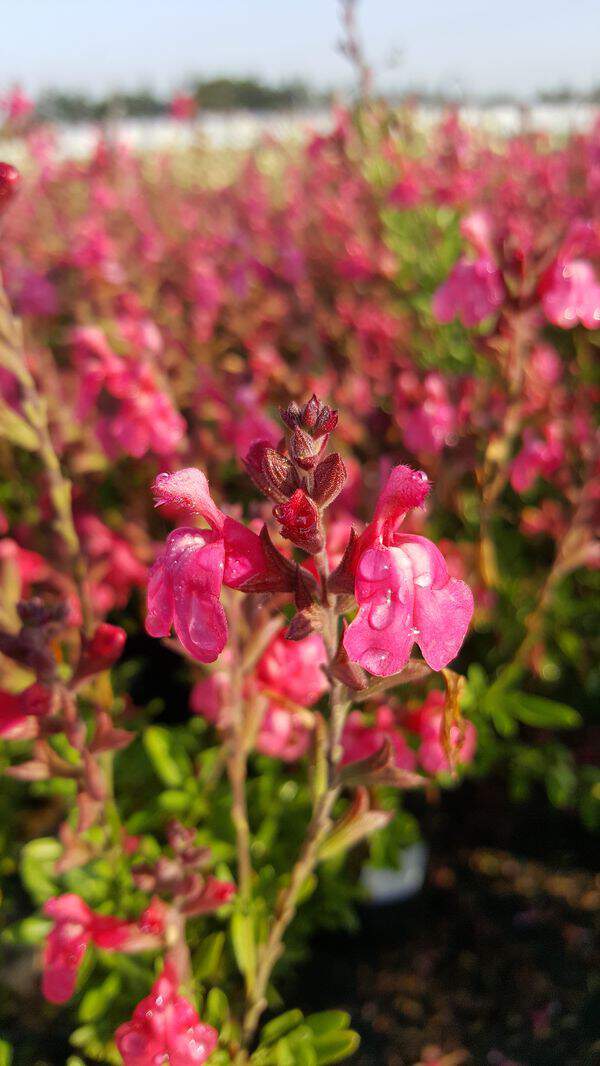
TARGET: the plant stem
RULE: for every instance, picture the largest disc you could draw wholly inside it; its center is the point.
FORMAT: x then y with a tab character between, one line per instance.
317	831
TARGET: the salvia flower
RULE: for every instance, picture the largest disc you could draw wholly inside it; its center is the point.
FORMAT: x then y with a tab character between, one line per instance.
472	292
75	927
427	721
185	581
165	1028
10	180
571	293
403	588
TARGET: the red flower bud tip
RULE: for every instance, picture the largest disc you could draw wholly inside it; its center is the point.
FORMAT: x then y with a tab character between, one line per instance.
271	472
303	449
36	700
10	180
102	650
315	417
300	522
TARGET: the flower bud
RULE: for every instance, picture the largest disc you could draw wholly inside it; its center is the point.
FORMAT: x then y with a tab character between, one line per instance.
330	476
300	522
271	472
37	700
10	180
101	650
303	449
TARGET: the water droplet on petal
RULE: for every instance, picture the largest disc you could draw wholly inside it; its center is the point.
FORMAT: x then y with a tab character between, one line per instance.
376	659
380	615
423	581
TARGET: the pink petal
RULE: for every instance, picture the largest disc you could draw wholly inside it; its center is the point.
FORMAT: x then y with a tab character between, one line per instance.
405	488
159	615
188	491
200	624
442	618
244	555
381	635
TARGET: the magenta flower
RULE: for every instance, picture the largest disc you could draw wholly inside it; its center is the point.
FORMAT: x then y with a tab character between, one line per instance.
571	294
538	458
472	292
293	669
361	740
427	721
403	588
75	927
165	1028
283	734
185	581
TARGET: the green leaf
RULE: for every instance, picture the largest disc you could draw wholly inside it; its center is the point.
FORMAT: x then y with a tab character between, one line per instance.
280	1026
335	1047
208	957
29	931
328	1021
38	860
95	1002
6	1053
244	943
217	1008
541	712
159	745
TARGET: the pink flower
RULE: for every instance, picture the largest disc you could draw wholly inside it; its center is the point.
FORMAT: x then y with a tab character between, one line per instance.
185	581
138	416
427	721
183	106
360	740
75	927
403	588
283	734
17	104
571	294
293	669
538	458
15	721
424	412
165	1028
472	292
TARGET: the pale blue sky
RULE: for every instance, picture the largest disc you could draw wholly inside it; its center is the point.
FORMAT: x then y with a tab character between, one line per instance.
482	46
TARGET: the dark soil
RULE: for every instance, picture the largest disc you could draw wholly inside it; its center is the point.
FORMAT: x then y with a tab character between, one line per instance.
495	963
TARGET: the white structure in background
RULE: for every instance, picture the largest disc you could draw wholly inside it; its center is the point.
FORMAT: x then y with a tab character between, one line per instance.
243	129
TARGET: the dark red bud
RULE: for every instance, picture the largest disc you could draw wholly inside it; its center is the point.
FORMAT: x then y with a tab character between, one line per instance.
291	414
37	700
10	180
301	522
303	449
271	472
103	649
307	621
311	412
330	476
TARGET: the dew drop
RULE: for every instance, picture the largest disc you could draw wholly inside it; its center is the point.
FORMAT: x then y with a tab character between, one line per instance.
376	659
380	615
423	581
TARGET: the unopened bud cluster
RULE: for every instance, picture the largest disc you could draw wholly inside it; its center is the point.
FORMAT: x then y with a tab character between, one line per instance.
298	476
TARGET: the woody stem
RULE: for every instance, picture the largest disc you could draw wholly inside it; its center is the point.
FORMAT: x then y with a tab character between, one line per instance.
316	833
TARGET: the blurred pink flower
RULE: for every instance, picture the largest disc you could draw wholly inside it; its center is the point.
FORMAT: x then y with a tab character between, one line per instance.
360	740
570	294
165	1028
472	292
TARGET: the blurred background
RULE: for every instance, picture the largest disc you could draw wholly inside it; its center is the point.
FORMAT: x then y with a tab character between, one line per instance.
255	199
